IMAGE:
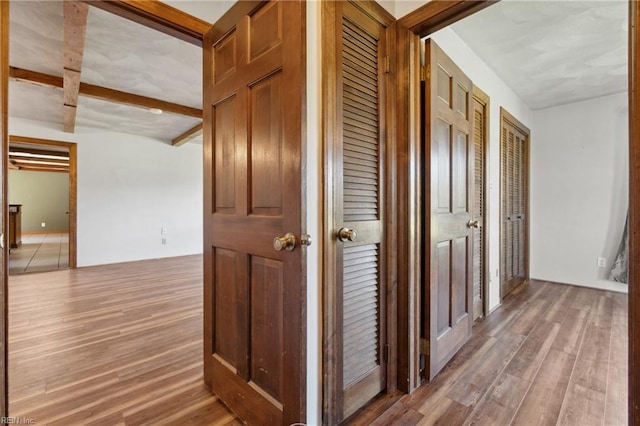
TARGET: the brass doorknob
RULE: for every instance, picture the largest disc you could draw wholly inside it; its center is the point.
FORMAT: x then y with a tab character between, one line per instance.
286	242
346	234
473	224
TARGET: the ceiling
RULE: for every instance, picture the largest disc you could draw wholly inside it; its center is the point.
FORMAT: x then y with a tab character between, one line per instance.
548	52
552	52
118	54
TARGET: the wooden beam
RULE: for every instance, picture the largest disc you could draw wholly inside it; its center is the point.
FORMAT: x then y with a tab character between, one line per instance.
125	98
105	93
158	16
75	29
188	136
38	160
36	152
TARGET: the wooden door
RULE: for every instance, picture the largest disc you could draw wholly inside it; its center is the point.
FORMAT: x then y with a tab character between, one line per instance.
356	290
514	203
254	305
449	170
480	140
4	201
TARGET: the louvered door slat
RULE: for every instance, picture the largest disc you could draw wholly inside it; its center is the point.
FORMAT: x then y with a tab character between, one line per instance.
360	187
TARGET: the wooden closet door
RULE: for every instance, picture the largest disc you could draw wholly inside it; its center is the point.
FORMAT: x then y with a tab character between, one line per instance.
254	301
480	139
356	320
514	203
449	170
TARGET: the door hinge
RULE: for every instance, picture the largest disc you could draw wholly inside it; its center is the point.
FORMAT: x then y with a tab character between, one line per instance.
387	64
425	72
424	346
385	353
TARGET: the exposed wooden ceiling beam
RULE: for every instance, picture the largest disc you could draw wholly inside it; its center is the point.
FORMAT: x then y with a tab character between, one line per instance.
104	93
38	160
188	136
75	29
37	152
43	169
158	16
136	100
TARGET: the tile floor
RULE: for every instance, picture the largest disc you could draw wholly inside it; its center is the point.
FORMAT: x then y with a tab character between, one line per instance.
40	253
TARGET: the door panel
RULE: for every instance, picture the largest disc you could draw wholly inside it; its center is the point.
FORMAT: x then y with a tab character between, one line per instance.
480	138
448	176
254	294
514	190
356	320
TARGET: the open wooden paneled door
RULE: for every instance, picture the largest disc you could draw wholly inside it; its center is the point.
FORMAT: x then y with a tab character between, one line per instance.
356	67
254	262
4	253
449	169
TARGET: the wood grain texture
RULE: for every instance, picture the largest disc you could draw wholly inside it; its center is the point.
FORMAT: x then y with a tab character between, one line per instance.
517	369
435	15
105	93
158	16
357	134
75	28
4	216
634	214
187	136
115	344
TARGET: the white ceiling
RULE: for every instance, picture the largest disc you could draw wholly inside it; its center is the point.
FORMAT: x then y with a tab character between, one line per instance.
118	54
552	52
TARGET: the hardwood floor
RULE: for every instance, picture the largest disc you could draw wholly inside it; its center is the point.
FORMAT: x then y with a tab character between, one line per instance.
111	345
122	345
550	355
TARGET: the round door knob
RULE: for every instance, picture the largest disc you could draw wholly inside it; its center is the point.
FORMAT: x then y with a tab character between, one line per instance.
286	242
346	234
473	224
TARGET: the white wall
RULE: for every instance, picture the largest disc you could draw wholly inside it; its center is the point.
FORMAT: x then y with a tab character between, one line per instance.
501	96
579	187
129	187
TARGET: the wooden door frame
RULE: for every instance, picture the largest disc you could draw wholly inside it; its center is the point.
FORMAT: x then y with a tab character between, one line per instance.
330	39
505	116
4	130
485	101
73	188
423	21
410	29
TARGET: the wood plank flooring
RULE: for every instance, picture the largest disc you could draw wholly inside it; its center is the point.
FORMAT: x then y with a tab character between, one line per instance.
111	345
122	345
550	355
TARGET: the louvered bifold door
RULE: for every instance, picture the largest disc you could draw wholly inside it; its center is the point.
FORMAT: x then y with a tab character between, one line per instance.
359	208
479	135
514	243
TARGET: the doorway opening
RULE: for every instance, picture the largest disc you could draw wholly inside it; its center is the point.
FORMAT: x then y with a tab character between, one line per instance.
42	205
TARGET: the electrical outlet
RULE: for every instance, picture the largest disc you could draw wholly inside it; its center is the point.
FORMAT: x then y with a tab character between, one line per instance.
164	241
43	225
163	231
602	262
